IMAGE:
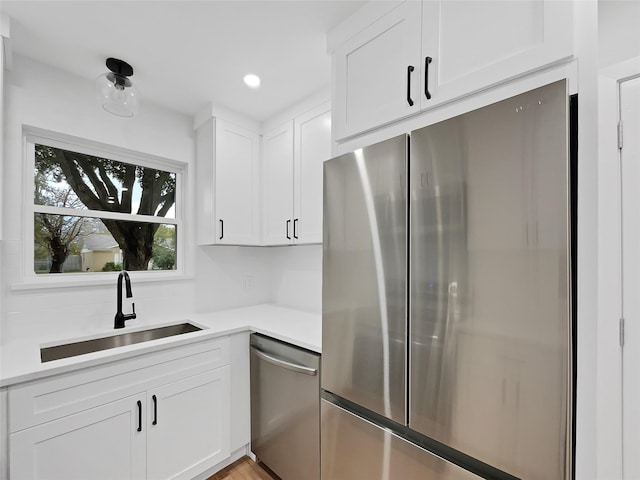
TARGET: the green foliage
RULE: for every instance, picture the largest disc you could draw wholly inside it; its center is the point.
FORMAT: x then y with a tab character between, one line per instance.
164	248
163	258
112	267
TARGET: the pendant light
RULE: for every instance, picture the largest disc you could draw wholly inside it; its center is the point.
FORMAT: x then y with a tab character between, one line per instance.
115	92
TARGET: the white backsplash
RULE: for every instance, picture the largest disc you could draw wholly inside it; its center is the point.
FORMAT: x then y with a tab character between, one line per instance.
296	277
228	277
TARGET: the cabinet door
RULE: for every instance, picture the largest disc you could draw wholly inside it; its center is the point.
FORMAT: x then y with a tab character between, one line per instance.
312	148
474	45
373	84
237	187
105	442
189	427
277	176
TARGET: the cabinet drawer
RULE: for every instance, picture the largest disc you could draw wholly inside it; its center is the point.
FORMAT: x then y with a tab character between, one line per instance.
36	402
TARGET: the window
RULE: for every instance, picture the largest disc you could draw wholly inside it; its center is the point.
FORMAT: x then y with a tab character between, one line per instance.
100	209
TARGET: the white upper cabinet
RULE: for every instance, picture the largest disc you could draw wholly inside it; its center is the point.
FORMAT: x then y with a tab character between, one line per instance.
377	72
255	189
312	148
227	184
292	158
477	44
237	185
277	185
423	54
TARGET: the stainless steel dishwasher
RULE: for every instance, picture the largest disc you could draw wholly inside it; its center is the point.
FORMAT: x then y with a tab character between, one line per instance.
285	408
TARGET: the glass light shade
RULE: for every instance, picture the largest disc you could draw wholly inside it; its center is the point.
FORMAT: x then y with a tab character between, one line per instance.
117	95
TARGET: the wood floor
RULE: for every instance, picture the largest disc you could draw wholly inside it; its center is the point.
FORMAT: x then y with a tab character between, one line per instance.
245	469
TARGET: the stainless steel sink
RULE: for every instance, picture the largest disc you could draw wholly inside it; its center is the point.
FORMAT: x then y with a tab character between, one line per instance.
66	350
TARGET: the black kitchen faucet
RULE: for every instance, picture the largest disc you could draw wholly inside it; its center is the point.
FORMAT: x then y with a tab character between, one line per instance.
121	317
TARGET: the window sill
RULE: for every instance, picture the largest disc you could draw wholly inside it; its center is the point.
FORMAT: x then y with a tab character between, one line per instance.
82	280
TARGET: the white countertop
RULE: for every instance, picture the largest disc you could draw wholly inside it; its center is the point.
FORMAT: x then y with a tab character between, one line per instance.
20	359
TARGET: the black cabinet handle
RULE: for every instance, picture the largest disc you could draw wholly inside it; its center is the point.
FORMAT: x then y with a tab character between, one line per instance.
295	228
221	229
288	236
155	410
139	416
410	69
427	61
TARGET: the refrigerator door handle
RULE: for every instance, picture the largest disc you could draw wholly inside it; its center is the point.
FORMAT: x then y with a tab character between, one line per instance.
284	364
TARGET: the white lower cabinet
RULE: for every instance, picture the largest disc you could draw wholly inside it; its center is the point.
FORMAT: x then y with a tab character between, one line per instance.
164	415
102	443
189	425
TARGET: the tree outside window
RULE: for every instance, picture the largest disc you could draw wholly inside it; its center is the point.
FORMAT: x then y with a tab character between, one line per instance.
81	198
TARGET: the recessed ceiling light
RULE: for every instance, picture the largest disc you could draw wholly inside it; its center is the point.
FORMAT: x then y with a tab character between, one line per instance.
252	80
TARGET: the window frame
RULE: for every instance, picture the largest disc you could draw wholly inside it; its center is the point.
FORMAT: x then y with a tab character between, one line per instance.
32	136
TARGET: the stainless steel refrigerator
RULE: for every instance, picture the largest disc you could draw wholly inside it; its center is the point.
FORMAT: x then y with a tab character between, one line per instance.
447	312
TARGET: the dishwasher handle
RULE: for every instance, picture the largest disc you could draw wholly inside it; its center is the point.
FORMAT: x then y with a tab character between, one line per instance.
284	364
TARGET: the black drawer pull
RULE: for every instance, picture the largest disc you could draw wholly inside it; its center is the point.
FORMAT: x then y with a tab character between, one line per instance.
288	236
427	61
410	69
139	416
221	229
295	229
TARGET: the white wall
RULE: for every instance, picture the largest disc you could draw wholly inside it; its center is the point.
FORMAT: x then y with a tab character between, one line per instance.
41	96
618	30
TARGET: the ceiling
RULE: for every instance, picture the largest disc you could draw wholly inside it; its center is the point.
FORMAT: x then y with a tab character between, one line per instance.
186	54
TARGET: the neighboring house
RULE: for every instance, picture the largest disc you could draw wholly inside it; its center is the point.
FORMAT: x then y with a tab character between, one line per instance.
98	249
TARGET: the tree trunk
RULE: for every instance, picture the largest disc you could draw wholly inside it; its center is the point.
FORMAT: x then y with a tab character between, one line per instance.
133	261
59	253
138	248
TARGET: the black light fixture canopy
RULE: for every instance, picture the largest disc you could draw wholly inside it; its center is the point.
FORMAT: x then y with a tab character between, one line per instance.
121	70
119	66
115	92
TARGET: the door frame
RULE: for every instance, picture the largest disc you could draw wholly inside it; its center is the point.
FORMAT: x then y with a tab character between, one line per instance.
609	350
